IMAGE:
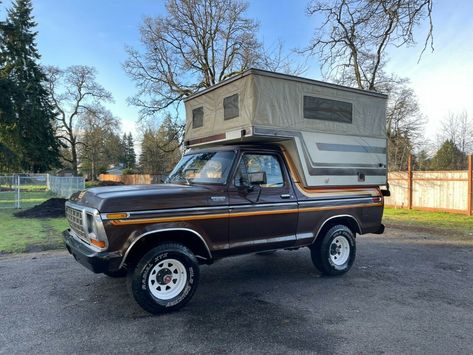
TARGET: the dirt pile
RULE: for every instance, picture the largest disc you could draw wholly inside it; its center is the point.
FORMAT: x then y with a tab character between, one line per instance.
52	208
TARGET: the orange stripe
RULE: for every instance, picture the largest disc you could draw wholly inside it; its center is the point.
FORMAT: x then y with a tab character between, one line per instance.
235	215
310	209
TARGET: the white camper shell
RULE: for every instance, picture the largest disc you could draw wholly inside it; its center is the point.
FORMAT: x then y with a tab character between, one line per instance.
335	135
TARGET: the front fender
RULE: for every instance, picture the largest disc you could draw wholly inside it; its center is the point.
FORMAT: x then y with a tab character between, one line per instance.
148	230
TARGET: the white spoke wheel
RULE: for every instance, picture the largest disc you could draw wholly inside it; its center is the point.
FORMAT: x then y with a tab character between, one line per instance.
334	252
165	278
339	250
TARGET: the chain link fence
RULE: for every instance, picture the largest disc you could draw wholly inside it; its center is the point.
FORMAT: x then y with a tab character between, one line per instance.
22	191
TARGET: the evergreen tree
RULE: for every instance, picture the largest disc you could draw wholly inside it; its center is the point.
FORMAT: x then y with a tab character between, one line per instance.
422	160
449	157
32	133
7	116
128	155
130	152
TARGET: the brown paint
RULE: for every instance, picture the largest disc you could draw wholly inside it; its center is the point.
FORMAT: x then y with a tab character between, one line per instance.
215	137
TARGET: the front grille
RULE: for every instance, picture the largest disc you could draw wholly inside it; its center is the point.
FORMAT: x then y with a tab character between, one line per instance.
74	217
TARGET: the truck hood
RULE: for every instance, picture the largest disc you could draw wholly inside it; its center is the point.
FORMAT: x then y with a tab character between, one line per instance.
145	197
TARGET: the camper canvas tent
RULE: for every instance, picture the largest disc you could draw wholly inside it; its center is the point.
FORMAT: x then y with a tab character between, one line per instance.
335	135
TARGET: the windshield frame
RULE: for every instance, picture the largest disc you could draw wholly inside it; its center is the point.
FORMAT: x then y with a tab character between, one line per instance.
192	181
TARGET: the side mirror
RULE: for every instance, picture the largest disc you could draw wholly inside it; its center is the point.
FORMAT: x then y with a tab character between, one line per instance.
257	178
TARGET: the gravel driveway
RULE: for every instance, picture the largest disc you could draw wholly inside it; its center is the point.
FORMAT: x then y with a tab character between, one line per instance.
408	292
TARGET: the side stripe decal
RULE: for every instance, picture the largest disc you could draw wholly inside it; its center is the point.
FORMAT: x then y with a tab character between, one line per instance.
236	214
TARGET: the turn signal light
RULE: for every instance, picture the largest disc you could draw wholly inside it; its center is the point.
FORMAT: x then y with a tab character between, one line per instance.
98	243
116	215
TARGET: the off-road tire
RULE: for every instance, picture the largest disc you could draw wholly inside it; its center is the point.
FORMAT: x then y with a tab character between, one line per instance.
337	242
170	266
117	273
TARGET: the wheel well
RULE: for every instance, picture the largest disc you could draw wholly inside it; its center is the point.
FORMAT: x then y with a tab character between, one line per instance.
348	221
149	241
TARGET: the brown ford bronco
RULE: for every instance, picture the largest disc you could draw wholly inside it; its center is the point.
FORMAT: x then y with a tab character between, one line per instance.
217	202
276	162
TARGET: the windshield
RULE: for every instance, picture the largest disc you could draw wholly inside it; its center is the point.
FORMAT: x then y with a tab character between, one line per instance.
208	168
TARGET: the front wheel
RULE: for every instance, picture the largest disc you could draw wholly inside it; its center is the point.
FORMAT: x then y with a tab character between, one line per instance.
335	253
165	278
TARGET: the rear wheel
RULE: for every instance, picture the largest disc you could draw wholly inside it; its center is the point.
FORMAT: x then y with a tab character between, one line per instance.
165	278
335	253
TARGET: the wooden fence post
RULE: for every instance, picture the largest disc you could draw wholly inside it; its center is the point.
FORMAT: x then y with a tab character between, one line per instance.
470	185
409	182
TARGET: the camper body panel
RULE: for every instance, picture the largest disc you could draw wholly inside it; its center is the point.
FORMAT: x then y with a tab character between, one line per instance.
337	140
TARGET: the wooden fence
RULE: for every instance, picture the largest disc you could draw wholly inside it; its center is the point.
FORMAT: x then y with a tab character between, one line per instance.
448	191
136	179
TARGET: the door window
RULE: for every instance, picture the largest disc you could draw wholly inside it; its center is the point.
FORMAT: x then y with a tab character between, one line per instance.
259	165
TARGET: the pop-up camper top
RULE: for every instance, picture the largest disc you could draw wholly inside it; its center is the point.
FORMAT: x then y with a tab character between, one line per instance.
335	135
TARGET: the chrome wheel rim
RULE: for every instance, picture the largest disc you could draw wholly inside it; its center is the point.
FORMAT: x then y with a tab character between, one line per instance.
167	279
339	250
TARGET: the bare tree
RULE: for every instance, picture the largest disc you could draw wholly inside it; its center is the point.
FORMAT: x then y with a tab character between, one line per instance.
98	129
160	147
354	35
197	44
74	91
276	58
458	128
404	122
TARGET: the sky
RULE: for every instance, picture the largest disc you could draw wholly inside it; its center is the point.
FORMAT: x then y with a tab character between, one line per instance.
96	33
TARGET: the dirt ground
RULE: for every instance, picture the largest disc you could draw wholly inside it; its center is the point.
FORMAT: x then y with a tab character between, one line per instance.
408	292
52	208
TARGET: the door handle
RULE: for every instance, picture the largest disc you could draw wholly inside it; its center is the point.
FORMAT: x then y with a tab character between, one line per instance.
285	196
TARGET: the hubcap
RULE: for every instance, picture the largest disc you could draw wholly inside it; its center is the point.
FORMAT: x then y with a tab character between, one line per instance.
167	279
339	250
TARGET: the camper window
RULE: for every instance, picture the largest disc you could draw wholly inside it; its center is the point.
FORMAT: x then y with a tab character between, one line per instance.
197	117
328	110
230	107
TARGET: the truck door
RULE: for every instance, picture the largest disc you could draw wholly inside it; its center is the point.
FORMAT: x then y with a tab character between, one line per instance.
263	206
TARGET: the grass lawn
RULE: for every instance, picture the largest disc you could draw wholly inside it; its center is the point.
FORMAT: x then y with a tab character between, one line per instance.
434	220
29	234
19	235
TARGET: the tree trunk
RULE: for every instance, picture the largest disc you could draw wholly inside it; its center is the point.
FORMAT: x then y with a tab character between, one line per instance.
74	159
93	170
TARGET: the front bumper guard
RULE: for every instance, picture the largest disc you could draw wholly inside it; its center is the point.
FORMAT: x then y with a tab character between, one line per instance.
98	262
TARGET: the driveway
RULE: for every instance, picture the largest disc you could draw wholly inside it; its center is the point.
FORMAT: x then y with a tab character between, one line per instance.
408	292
